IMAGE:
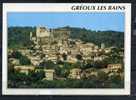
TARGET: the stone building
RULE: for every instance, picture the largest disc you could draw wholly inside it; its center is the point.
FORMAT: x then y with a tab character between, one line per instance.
114	67
44	35
14	61
24	69
35	60
89	72
42	32
49	74
75	73
102	45
41	36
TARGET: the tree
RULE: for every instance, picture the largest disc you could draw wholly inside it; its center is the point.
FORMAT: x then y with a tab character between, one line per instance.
102	76
16	54
24	60
47	64
64	56
36	76
18	37
79	57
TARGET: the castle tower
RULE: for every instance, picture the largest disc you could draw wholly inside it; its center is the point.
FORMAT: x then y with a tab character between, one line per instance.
31	34
42	32
32	37
102	45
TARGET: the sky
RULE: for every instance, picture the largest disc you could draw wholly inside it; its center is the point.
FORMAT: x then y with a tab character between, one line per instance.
94	21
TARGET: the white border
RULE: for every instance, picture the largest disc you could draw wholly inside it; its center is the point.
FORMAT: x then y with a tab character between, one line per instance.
38	7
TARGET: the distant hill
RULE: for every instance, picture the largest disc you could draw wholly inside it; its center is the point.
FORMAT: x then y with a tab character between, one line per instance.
18	37
109	38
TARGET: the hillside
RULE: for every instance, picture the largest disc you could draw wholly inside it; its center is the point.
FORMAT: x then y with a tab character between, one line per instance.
18	37
110	38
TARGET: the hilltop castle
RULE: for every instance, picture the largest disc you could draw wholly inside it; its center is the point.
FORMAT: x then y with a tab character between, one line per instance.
49	36
50	42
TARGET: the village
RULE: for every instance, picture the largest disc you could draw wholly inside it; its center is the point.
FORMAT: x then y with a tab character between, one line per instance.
55	45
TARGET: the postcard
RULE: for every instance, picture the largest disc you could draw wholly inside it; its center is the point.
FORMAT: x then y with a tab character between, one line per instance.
66	49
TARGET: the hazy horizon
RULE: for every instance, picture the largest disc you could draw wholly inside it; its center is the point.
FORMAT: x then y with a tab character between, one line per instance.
90	21
66	26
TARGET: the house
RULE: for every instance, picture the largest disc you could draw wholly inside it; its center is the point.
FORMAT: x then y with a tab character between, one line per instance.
35	60
75	73
89	72
24	69
71	59
10	51
107	50
14	61
105	70
49	74
114	67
